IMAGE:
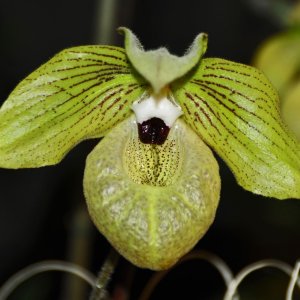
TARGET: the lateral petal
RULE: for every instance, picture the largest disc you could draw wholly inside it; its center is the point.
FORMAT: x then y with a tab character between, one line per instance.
235	110
80	93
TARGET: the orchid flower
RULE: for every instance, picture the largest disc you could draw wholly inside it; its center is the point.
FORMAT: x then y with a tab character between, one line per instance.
279	58
152	183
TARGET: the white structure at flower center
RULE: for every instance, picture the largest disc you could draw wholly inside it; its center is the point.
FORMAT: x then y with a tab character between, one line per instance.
156	107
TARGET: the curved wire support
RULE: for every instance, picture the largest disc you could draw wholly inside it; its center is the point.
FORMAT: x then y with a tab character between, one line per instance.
294	279
214	260
55	265
232	288
99	284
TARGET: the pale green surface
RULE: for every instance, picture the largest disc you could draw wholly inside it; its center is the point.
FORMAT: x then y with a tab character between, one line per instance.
235	110
160	67
152	218
291	108
80	93
279	59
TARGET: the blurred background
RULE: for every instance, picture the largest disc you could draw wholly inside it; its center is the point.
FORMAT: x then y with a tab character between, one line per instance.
42	211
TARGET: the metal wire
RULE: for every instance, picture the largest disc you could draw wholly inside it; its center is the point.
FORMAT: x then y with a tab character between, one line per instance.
216	261
233	286
13	282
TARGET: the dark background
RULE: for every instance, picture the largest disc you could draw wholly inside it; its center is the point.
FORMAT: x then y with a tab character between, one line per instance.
37	205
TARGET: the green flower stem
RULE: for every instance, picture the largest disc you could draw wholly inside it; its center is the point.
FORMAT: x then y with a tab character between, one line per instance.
104	276
106	16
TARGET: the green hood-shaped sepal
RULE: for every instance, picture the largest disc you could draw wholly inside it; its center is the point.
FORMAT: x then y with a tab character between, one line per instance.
159	67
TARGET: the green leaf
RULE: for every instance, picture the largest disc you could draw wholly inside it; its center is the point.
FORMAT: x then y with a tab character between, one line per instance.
80	93
235	110
160	67
152	202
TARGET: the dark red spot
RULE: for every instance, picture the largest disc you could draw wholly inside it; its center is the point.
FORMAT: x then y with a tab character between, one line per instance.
153	131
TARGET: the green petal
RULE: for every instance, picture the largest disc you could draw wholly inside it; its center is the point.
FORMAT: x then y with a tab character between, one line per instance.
153	203
279	58
160	67
80	93
234	109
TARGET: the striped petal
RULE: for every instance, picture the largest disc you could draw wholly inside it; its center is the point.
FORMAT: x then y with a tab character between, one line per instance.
80	93
234	109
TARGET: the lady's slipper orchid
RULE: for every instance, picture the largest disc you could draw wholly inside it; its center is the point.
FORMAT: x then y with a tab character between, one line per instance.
152	184
279	59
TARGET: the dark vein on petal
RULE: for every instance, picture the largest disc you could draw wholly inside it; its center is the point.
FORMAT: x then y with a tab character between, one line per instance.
100	54
214	96
204	85
189	96
231	133
66	141
248	75
252	87
225	150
